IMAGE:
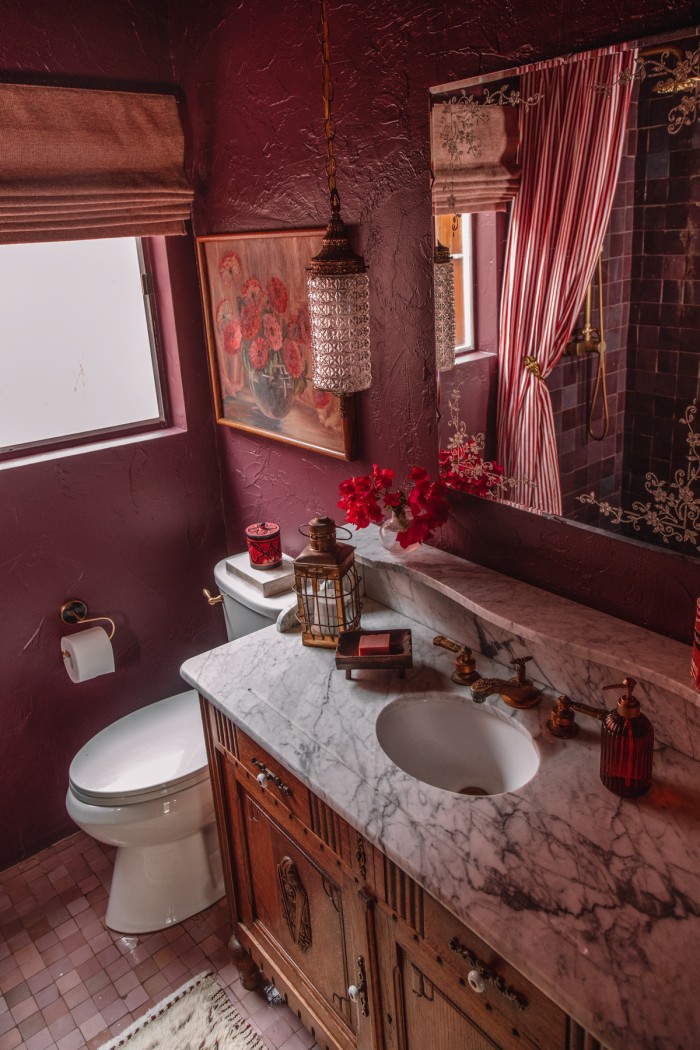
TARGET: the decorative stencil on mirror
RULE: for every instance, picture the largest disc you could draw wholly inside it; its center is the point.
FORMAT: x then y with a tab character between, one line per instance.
673	512
683	75
462	463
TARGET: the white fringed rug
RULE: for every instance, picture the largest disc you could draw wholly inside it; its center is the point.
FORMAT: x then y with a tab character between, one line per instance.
197	1016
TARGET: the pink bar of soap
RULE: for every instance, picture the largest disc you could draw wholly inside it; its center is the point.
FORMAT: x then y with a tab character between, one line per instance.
371	644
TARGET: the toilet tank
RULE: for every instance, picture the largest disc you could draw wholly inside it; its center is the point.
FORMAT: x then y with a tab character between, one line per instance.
246	609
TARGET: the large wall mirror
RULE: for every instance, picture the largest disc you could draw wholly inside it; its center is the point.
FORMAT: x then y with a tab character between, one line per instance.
568	193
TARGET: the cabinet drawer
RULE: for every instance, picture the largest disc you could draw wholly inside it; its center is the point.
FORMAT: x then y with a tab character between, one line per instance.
483	973
276	784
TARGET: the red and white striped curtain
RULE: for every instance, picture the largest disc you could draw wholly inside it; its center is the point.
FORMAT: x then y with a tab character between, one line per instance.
571	144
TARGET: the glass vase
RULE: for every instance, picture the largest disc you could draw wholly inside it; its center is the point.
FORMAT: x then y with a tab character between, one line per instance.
273	394
388	532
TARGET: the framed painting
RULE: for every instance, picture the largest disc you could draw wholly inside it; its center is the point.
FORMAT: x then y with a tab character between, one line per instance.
259	339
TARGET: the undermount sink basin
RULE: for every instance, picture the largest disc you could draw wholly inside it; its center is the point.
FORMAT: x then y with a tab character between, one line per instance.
453	744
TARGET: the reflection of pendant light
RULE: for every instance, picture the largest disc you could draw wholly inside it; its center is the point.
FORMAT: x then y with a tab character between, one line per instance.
444	293
338	285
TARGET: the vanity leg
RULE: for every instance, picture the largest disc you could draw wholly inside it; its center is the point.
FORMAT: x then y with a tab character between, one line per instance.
251	977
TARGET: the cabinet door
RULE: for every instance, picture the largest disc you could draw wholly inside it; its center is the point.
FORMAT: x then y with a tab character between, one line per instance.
427	1005
428	1017
304	922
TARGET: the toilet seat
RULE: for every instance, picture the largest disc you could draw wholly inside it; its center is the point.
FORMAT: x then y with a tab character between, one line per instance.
155	751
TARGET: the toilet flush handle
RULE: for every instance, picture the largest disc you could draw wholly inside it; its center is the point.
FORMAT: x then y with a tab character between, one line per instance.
211	598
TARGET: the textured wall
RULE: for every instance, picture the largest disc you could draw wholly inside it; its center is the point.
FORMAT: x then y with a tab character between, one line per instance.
250	74
132	531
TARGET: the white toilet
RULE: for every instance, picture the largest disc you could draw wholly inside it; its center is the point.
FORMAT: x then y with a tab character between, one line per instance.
142	784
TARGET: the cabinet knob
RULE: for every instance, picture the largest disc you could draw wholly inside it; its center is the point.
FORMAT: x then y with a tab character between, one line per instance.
262	780
476	981
353	993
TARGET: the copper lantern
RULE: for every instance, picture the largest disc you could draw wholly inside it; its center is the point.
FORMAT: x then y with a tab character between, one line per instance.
327	586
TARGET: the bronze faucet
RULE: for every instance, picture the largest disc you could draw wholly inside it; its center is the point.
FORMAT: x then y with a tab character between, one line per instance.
516	692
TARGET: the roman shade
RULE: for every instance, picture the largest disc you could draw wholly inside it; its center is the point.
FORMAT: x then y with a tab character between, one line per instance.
78	164
474	151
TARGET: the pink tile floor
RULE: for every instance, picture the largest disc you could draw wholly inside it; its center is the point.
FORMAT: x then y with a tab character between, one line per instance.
66	981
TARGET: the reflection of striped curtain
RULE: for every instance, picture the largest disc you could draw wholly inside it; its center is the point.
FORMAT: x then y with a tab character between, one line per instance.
571	147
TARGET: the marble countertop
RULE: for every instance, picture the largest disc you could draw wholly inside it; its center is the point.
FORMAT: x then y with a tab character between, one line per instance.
592	897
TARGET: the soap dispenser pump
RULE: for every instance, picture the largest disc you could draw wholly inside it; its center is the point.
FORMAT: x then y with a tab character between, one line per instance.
627	745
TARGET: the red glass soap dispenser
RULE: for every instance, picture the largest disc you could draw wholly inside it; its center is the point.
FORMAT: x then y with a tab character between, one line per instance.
627	745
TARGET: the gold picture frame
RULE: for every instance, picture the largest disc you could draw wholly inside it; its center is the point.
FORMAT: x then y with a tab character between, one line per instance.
256	313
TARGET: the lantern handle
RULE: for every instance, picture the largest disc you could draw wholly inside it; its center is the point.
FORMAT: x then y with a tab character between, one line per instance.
338	528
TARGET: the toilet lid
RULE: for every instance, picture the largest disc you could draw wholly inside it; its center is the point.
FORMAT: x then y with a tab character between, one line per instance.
144	755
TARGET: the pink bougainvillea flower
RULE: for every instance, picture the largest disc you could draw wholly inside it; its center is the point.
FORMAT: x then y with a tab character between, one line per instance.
232	337
250	320
259	353
278	294
230	268
383	477
252	291
272	331
365	499
293	361
224	312
322	398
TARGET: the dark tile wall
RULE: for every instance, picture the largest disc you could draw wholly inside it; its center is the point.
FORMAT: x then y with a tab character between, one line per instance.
664	354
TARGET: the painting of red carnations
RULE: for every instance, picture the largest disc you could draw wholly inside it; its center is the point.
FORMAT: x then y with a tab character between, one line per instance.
259	338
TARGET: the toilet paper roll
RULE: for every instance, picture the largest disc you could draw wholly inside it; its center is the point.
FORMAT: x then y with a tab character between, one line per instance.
88	654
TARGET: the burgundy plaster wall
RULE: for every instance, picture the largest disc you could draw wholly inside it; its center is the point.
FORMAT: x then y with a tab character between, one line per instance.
133	531
250	74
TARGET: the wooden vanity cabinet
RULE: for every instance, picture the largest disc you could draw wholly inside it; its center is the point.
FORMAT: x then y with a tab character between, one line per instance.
362	954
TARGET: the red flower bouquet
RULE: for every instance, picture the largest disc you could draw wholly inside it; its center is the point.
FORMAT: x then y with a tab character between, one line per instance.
269	339
419	509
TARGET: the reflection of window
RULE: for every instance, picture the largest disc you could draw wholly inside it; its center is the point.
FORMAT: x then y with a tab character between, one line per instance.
459	242
76	343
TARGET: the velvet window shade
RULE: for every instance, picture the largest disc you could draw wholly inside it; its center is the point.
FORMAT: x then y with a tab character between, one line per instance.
79	164
484	178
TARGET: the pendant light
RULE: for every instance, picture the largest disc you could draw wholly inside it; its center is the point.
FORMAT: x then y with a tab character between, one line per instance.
444	302
338	286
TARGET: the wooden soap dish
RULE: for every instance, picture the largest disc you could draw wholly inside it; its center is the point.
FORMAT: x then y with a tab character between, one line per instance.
400	655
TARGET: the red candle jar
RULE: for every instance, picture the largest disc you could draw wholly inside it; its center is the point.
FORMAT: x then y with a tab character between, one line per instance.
264	545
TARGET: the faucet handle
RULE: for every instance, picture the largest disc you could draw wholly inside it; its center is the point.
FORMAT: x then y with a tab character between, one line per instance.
519	663
465	665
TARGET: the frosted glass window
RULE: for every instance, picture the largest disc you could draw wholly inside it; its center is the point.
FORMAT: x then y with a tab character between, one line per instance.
75	342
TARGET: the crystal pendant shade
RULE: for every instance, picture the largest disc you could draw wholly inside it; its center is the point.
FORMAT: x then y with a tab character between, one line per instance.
444	296
339	311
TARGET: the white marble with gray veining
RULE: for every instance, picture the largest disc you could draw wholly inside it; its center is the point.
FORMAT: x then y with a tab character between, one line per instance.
594	898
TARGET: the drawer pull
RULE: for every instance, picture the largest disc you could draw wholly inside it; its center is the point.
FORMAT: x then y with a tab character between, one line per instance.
480	973
475	981
357	993
266	774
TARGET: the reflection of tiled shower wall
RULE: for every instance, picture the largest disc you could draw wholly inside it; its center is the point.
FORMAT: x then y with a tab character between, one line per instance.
588	465
665	319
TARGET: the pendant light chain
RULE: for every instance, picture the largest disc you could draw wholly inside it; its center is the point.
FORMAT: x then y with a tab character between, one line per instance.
337	282
328	115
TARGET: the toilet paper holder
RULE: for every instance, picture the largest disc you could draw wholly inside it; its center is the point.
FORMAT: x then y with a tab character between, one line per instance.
74	611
